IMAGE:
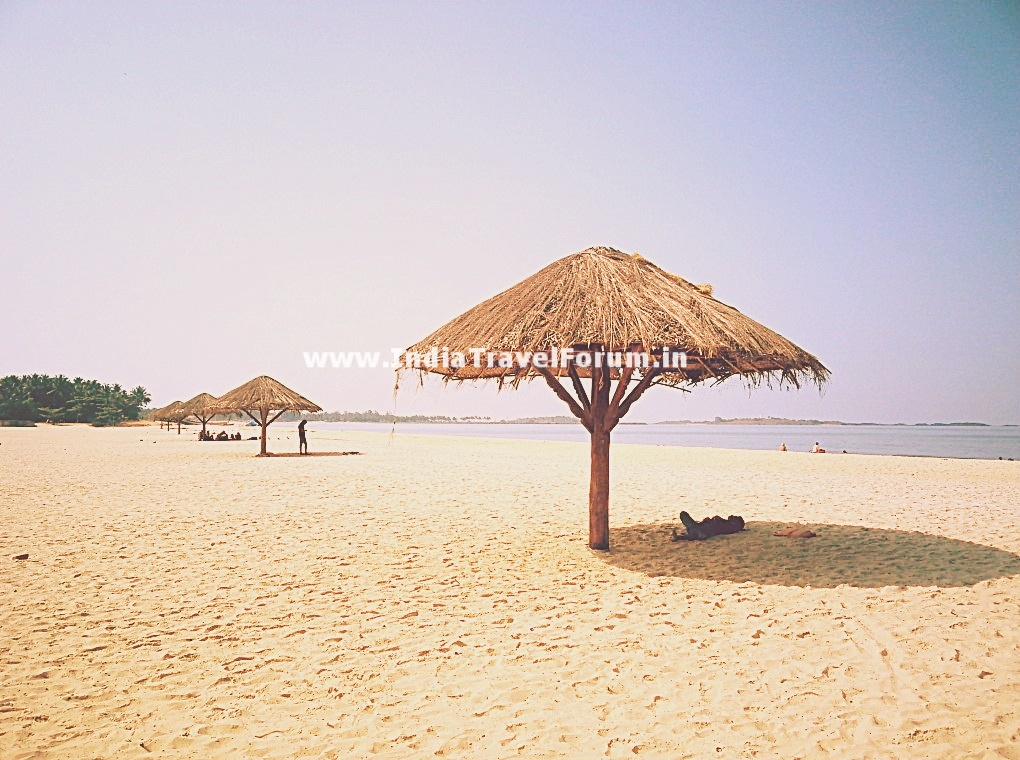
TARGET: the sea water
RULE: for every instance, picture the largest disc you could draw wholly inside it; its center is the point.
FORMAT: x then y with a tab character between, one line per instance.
977	442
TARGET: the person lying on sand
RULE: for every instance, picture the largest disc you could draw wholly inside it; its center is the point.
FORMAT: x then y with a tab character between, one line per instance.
710	526
795	531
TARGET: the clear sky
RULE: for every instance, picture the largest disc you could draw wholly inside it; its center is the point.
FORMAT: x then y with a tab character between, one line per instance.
194	193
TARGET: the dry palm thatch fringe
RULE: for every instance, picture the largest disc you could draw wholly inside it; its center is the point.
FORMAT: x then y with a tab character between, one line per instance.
605	299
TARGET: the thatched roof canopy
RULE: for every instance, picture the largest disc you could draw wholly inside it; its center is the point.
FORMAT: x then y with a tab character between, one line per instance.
172	412
202	405
603	297
264	394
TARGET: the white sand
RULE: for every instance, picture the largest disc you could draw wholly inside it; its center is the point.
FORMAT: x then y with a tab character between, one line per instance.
436	597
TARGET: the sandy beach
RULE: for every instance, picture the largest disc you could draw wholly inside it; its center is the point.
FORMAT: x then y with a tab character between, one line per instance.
435	597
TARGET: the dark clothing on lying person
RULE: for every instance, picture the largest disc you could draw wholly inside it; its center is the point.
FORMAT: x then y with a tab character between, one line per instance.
710	526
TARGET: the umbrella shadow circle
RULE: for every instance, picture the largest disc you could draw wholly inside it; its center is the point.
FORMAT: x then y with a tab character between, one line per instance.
839	555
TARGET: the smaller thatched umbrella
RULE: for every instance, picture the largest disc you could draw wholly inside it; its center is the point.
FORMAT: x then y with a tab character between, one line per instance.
202	408
171	413
262	396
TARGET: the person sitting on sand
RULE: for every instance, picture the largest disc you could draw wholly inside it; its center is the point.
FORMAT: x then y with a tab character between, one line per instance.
222	436
816	449
710	526
782	447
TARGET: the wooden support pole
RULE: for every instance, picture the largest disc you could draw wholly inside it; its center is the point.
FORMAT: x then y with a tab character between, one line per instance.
578	387
599	412
598	491
621	389
618	410
575	408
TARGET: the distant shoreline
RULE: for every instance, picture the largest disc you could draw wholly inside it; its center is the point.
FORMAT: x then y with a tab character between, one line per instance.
373	416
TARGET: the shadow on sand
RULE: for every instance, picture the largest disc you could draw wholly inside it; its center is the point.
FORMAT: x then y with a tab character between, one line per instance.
865	557
313	454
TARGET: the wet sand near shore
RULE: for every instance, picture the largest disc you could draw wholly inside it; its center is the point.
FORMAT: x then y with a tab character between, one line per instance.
435	597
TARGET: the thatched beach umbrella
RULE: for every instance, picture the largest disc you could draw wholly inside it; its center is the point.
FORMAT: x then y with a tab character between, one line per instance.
262	396
583	314
169	414
202	407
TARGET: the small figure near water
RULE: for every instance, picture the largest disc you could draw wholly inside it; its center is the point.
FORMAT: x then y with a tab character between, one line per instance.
710	526
782	447
302	440
816	449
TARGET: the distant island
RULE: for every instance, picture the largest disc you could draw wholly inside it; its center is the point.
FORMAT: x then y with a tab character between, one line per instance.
372	415
787	421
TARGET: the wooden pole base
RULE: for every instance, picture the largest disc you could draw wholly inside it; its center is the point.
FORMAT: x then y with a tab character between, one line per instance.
598	492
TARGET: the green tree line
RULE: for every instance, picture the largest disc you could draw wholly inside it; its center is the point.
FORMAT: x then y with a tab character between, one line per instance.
43	398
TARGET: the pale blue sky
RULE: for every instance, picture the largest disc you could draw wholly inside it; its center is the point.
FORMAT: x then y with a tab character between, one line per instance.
194	193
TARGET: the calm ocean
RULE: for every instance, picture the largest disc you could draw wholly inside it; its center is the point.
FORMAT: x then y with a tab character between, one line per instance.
962	442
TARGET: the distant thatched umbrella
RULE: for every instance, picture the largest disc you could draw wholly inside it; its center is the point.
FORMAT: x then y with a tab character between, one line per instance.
581	313
260	397
202	408
171	413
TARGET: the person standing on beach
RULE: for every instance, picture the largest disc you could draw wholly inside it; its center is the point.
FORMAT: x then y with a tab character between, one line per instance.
302	440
